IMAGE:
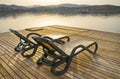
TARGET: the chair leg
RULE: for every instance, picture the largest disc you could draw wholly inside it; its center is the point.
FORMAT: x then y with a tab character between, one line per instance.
40	60
19	47
96	47
33	53
57	73
45	60
95	50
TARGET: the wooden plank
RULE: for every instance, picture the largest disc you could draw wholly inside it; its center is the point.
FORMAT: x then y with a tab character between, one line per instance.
8	68
39	70
1	76
84	66
22	68
4	73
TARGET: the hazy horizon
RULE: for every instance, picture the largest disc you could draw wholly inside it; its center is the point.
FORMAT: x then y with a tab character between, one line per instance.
57	2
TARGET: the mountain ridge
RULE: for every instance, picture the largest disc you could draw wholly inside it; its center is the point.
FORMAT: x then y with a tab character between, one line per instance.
60	5
63	9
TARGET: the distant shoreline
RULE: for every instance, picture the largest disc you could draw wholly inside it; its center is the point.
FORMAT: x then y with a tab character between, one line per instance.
63	9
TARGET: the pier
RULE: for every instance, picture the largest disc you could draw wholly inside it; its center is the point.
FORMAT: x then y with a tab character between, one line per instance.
105	65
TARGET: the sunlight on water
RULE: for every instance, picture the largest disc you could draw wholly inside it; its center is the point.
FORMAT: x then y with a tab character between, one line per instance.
103	23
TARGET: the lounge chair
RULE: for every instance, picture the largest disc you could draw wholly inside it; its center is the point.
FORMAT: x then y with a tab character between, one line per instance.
26	44
55	54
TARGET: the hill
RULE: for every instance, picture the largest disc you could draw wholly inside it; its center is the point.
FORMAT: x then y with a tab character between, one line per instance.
66	9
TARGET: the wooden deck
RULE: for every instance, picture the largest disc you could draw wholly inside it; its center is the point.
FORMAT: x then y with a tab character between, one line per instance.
84	66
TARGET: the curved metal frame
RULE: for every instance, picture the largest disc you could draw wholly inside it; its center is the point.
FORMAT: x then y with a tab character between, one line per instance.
62	58
25	42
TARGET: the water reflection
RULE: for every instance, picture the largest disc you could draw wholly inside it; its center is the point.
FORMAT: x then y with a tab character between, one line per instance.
15	14
108	23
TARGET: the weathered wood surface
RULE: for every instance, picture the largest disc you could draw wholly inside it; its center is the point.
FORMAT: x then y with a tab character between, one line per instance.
106	65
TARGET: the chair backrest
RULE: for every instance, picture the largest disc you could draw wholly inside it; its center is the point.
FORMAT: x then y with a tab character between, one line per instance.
48	44
20	35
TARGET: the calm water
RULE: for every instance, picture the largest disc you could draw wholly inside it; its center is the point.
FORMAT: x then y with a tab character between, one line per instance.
103	23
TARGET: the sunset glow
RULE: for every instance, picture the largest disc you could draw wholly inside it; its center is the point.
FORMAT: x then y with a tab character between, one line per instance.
50	0
56	2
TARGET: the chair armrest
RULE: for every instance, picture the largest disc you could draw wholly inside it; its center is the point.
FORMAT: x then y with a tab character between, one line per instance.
61	40
33	34
75	50
65	37
47	37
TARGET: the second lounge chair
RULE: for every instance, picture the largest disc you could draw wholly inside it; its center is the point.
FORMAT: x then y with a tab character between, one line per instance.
26	44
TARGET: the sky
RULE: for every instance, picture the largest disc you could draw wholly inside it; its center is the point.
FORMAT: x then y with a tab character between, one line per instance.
55	2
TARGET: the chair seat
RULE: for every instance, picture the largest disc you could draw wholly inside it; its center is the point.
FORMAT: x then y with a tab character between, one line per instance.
69	46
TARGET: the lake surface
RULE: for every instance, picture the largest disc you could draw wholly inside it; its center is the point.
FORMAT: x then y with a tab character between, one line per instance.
96	22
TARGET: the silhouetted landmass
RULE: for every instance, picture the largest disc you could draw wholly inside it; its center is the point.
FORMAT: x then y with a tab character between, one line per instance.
63	9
